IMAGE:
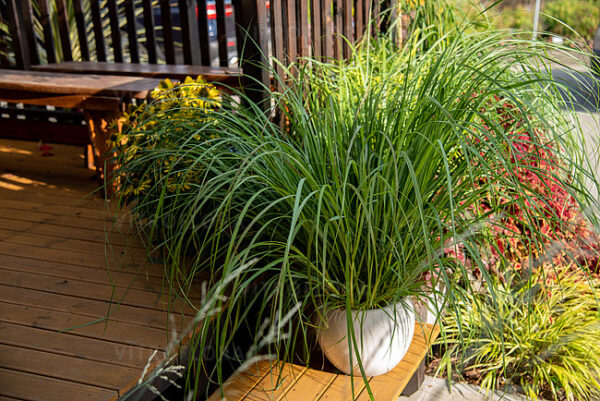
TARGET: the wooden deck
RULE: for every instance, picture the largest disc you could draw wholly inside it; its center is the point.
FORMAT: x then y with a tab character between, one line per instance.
69	328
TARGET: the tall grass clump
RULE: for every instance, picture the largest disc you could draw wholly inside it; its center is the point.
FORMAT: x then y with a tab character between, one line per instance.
363	195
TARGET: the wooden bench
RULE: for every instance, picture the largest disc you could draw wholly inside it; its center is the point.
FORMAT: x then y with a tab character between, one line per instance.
102	98
299	383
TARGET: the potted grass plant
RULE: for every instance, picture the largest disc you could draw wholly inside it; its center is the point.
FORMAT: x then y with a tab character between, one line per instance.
346	211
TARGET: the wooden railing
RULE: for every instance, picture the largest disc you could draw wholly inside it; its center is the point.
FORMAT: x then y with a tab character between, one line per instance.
118	30
197	32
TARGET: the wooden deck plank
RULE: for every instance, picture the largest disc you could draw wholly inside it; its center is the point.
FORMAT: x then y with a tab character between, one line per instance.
97	374
67	221
343	388
92	275
81	233
125	333
59	210
91	308
100	292
310	386
40	388
67	343
390	385
274	385
50	242
242	382
79	259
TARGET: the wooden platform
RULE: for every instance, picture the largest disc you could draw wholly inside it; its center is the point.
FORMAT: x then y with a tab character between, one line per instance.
259	382
71	329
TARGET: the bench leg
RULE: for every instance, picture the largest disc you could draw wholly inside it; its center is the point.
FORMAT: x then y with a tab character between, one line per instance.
416	381
100	126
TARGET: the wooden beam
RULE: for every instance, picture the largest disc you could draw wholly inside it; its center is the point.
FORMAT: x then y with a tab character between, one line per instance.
13	128
69	101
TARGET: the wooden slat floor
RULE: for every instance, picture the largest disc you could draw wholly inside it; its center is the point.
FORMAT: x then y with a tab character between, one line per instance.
71	328
269	380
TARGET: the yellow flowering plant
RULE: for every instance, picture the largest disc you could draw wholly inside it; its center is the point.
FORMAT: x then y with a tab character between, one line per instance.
164	123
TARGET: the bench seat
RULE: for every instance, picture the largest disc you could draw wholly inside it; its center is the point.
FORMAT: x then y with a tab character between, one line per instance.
101	97
228	76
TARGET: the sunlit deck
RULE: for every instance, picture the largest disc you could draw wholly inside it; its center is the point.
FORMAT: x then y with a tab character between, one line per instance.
56	342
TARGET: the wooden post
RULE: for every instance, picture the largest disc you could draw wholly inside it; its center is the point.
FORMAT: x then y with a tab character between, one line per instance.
416	381
100	127
251	21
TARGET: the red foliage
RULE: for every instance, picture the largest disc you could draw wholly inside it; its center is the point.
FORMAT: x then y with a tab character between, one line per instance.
546	206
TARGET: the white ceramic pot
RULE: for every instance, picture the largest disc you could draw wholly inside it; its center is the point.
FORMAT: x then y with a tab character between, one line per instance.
382	335
434	309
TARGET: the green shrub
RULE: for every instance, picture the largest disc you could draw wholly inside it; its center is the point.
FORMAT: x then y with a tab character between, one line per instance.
519	19
352	202
155	129
562	17
539	333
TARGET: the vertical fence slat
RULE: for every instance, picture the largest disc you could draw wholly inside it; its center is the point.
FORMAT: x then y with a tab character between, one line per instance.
63	30
396	22
304	41
149	29
385	8
348	26
221	33
278	48
19	38
203	32
251	27
46	23
167	26
189	32
27	14
375	15
292	32
115	32
98	31
328	29
317	34
339	28
358	16
81	29
134	54
4	62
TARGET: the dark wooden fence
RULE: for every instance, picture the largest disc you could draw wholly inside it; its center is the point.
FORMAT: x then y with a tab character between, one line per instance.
197	32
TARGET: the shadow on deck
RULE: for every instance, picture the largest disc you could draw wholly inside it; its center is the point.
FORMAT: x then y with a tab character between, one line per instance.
71	329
